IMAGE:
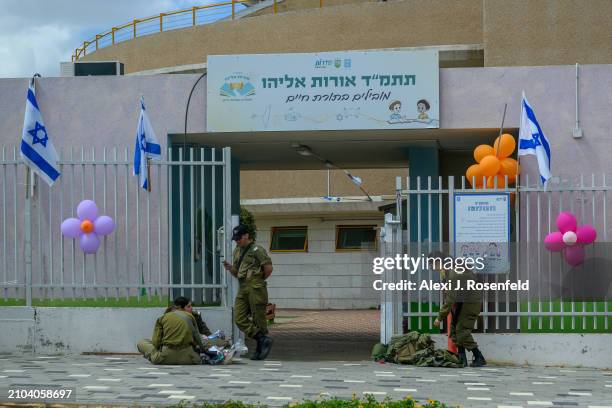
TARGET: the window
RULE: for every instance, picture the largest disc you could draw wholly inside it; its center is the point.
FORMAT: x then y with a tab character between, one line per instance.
355	237
289	239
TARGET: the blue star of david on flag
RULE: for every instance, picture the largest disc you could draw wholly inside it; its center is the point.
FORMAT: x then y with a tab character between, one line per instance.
532	140
146	147
34	132
37	150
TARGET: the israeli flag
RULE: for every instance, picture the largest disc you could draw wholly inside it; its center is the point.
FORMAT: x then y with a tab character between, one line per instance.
532	140
147	147
354	179
37	150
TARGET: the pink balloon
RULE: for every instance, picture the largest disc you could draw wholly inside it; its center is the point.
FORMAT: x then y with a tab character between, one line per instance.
566	222
87	210
574	255
90	243
71	227
554	241
586	234
104	225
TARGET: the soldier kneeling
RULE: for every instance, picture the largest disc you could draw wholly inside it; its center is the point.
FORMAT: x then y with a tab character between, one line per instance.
174	337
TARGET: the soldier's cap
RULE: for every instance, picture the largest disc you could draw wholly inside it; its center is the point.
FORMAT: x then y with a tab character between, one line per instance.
239	231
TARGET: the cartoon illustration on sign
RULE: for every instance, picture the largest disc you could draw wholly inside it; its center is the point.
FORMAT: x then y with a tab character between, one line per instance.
348	113
292	116
396	108
422	108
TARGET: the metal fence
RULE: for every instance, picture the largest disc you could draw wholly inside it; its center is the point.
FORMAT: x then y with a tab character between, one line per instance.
560	298
166	241
171	20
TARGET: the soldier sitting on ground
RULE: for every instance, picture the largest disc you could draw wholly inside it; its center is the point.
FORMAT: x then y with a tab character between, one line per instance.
174	337
467	308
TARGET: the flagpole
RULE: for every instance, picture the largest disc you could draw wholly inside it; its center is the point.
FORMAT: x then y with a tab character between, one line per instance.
517	207
501	128
148	175
27	227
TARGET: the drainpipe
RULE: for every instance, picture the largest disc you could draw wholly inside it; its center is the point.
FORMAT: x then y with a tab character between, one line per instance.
577	131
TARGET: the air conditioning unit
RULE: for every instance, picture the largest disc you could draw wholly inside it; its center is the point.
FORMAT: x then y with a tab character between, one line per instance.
95	68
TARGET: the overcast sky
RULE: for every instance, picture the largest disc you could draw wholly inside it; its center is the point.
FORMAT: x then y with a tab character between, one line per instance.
35	35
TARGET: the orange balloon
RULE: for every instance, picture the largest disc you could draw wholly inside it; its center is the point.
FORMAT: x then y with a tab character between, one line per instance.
501	181
509	167
489	165
474	175
87	226
482	151
504	145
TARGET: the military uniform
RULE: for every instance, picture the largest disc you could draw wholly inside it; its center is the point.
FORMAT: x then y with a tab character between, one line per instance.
174	335
467	308
202	327
252	297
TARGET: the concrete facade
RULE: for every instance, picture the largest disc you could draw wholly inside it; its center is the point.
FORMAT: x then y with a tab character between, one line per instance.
406	24
314	183
69	330
322	277
539	32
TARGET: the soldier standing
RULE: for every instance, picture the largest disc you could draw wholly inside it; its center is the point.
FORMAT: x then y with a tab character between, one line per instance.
252	266
467	309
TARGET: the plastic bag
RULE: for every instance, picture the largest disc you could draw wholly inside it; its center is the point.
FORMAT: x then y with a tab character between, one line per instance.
240	347
219	334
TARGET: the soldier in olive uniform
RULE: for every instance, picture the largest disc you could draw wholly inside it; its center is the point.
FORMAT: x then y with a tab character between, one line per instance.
252	266
174	337
467	309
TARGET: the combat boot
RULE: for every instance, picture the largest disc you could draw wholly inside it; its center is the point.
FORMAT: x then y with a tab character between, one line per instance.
462	356
257	352
266	346
479	359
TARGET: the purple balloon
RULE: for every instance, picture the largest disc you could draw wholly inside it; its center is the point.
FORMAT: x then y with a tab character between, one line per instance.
87	210
574	255
566	221
586	234
104	225
90	243
71	227
554	241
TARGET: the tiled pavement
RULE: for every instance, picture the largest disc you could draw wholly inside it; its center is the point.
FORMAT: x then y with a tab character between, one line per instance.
129	380
324	334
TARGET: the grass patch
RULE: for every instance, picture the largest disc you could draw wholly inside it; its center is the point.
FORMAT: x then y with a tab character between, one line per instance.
560	324
132	301
368	402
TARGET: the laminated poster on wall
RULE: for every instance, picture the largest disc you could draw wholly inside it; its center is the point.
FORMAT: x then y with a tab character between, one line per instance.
482	229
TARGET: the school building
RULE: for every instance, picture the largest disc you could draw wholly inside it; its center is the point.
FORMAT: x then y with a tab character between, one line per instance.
318	177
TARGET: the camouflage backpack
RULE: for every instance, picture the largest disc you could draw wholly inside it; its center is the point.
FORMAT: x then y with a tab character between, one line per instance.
403	346
419	349
429	357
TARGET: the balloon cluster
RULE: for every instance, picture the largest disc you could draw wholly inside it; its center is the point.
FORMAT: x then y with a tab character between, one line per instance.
494	164
88	226
570	239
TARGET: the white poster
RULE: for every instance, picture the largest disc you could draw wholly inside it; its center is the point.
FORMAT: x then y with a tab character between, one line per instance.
482	229
324	91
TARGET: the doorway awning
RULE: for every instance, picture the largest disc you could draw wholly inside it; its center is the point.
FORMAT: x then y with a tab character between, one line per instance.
351	149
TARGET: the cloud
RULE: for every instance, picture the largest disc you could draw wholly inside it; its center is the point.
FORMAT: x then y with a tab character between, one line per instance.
35	35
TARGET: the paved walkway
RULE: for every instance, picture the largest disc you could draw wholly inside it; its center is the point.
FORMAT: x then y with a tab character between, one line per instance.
131	380
316	335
